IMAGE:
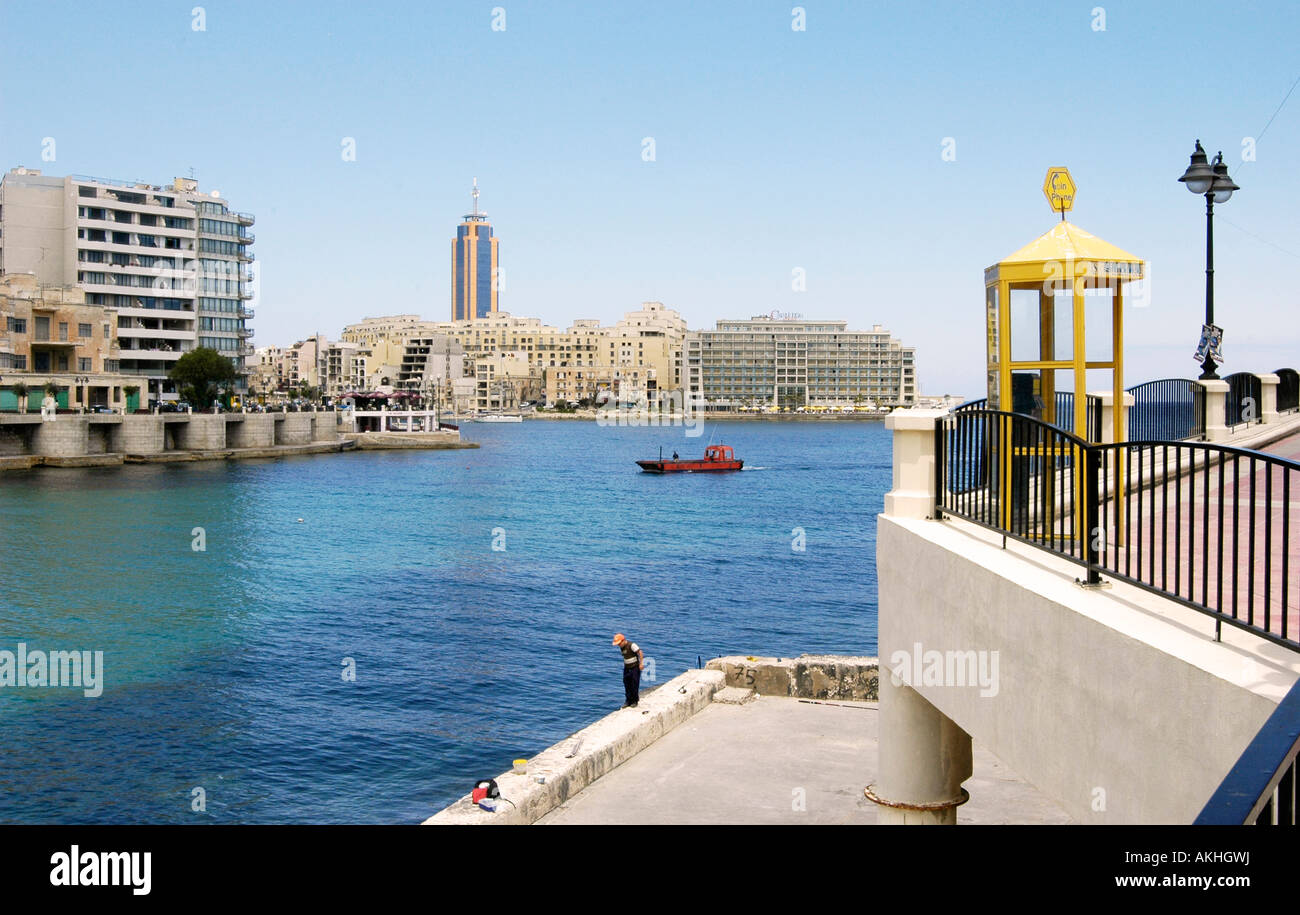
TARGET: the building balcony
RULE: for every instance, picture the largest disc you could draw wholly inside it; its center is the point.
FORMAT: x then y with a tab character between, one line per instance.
245	219
246	313
245	239
245	294
245	256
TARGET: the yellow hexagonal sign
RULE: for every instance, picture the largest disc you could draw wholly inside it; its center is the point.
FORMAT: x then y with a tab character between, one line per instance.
1058	188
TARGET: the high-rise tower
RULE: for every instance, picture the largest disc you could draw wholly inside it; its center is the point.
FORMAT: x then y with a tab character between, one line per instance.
474	266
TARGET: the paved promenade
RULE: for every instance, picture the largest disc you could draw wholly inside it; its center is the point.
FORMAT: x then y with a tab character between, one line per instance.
754	763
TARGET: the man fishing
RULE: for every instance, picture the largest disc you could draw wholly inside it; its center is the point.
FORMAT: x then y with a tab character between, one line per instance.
633	661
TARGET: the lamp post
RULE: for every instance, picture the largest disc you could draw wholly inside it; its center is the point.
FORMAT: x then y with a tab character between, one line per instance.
1211	180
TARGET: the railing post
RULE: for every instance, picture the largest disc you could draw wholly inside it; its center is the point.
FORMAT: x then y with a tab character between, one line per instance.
1092	511
912	495
1214	420
940	453
1107	400
1268	397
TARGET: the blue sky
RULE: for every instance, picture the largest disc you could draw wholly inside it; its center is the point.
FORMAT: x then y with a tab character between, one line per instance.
774	150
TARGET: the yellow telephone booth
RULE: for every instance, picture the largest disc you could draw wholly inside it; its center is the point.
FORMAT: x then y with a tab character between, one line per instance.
1055	312
1055	316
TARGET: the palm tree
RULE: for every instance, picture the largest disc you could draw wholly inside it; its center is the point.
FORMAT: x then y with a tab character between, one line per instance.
20	391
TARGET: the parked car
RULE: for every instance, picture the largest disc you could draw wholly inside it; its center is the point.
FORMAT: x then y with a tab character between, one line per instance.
102	408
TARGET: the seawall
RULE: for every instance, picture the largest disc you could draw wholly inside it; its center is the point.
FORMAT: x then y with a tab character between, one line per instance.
100	440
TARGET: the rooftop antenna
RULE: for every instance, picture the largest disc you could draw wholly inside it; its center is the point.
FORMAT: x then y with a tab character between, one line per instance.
476	216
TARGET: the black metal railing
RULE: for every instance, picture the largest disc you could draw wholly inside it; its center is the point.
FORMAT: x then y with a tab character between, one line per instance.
1065	414
973	473
1209	526
1260	789
1166	410
1288	390
1243	403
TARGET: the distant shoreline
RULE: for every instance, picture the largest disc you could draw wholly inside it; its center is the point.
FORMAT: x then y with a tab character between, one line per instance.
706	417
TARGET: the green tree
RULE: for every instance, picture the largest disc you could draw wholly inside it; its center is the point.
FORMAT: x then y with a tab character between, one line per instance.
20	391
199	375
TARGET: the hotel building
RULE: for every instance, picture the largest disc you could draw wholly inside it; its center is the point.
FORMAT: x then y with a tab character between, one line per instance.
474	266
170	261
789	362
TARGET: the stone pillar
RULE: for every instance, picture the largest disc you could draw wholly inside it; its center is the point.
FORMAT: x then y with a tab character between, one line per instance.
912	495
1216	393
1268	398
924	758
69	437
139	435
1107	399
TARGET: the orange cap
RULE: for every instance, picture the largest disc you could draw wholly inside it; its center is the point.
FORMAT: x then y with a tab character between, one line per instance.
619	638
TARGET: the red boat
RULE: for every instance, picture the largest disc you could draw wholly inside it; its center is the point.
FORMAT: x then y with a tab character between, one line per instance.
716	457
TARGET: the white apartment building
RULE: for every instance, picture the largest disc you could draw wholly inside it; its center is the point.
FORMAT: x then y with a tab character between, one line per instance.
169	259
789	362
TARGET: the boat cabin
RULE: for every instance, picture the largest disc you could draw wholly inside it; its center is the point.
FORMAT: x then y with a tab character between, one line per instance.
719	453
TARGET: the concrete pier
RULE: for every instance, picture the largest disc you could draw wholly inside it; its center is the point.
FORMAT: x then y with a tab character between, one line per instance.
742	741
92	439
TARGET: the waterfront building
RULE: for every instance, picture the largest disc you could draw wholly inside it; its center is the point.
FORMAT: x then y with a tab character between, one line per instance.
502	381
169	260
371	330
789	362
474	265
49	335
644	348
430	364
344	367
267	369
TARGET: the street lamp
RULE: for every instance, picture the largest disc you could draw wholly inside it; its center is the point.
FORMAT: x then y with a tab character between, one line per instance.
1211	180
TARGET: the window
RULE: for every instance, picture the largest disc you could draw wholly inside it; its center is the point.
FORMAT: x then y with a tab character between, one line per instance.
83	365
17	325
63	331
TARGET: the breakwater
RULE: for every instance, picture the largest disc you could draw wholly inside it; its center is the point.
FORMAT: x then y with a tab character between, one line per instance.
87	440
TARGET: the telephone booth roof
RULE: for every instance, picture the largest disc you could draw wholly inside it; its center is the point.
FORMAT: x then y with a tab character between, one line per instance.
1079	251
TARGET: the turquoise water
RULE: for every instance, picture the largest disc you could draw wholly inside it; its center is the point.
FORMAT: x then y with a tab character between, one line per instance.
223	667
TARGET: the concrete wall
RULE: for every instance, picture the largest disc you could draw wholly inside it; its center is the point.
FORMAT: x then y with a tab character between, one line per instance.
1117	703
292	428
579	760
65	436
804	677
250	430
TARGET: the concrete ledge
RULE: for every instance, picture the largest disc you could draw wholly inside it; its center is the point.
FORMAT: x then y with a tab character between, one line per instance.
600	748
381	441
233	454
19	462
88	460
805	677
